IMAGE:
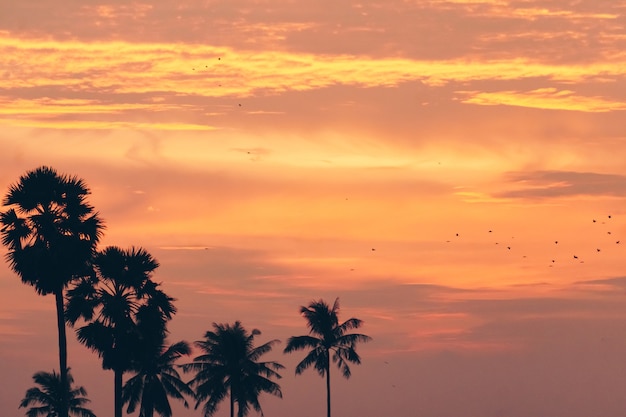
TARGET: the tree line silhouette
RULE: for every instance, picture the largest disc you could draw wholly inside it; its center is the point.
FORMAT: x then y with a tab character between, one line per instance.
119	312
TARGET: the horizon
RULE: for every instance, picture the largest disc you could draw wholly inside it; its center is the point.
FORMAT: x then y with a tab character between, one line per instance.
451	170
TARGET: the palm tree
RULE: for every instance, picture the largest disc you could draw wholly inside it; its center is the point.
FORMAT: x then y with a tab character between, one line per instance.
156	379
51	233
229	367
327	336
120	295
50	397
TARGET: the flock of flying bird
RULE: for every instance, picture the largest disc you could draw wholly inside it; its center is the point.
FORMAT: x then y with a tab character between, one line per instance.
574	256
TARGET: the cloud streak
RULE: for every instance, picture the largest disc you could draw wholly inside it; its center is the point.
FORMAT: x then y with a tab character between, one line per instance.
546	184
161	71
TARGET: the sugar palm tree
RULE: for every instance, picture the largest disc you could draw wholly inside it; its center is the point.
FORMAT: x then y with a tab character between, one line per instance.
328	340
229	368
47	399
112	302
155	380
51	233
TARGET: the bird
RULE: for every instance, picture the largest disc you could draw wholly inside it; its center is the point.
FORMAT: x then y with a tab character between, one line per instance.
594	220
575	257
609	216
556	242
598	250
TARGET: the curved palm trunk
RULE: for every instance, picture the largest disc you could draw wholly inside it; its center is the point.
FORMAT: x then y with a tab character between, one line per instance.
58	298
118	392
328	388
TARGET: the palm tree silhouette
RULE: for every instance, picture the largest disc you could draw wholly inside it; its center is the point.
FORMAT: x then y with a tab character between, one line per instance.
49	398
112	302
229	367
326	335
156	379
51	233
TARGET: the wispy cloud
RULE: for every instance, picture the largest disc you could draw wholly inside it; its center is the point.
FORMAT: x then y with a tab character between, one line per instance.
544	98
545	184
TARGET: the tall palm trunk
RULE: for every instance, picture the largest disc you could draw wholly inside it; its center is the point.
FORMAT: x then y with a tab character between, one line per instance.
58	298
118	392
328	388
232	402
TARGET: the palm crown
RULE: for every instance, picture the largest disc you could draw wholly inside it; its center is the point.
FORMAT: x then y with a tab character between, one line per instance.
229	367
155	380
50	229
49	394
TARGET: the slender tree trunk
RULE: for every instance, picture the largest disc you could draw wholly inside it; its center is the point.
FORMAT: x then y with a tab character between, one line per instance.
58	298
328	387
232	402
118	392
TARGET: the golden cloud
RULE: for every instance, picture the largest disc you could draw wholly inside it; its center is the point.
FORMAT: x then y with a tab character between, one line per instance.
121	67
544	98
112	78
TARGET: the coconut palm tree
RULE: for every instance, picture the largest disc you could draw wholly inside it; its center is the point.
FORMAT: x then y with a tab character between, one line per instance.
155	380
51	233
112	302
47	401
229	368
327	340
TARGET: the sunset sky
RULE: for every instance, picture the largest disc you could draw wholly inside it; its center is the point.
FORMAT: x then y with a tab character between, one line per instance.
418	159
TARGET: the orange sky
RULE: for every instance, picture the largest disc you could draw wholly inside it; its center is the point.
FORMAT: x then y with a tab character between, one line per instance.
269	153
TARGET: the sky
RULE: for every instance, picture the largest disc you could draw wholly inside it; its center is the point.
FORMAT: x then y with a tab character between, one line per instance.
452	170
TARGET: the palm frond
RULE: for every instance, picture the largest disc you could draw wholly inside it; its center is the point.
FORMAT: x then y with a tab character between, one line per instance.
352	339
350	324
316	357
302	342
259	351
131	392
